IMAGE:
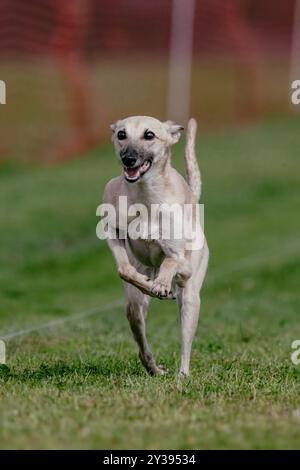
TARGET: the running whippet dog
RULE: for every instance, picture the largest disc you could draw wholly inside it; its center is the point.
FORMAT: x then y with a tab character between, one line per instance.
151	267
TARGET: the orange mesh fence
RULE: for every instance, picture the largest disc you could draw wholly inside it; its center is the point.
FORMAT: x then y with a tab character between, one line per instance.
71	68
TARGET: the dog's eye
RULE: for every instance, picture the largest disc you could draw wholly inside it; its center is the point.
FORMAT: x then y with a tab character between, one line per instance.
149	135
122	135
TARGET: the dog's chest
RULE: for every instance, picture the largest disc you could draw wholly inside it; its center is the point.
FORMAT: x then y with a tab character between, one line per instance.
148	252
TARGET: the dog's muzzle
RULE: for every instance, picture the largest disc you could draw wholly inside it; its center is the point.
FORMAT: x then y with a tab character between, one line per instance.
129	157
134	165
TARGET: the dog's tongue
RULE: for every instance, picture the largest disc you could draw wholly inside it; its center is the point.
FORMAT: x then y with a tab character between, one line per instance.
132	172
135	173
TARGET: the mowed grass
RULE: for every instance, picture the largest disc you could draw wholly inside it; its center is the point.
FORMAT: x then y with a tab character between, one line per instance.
80	385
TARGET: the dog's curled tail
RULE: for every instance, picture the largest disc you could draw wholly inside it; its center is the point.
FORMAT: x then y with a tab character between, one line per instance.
192	170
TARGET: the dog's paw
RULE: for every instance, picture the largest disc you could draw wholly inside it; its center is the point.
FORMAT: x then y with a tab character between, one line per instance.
182	380
150	365
158	370
162	290
161	370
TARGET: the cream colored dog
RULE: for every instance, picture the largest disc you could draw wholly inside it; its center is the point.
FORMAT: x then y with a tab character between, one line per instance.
159	268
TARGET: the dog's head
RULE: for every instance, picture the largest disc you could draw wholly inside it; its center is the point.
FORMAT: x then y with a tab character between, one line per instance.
141	142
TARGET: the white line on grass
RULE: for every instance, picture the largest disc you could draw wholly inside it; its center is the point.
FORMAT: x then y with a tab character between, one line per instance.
61	321
291	248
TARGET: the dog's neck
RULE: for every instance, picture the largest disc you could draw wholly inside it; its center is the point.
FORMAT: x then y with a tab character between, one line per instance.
156	185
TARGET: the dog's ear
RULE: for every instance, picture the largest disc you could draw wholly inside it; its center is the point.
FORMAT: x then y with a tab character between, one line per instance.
173	130
113	127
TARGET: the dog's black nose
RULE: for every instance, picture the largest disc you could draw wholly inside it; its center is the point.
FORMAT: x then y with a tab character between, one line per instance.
129	162
129	157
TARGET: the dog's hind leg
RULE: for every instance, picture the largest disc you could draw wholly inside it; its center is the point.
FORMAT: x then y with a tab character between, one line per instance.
189	309
136	310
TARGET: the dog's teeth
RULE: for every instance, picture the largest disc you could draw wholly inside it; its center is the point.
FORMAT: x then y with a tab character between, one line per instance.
133	174
145	165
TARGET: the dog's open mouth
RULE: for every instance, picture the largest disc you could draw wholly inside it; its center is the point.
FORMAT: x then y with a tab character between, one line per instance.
134	174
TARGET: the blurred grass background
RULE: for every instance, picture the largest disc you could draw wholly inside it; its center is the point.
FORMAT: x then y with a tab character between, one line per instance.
37	120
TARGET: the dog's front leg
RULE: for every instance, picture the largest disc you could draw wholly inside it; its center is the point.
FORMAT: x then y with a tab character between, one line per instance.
126	271
170	267
162	285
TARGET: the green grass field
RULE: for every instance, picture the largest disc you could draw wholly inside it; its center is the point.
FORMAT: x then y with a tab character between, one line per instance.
80	385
